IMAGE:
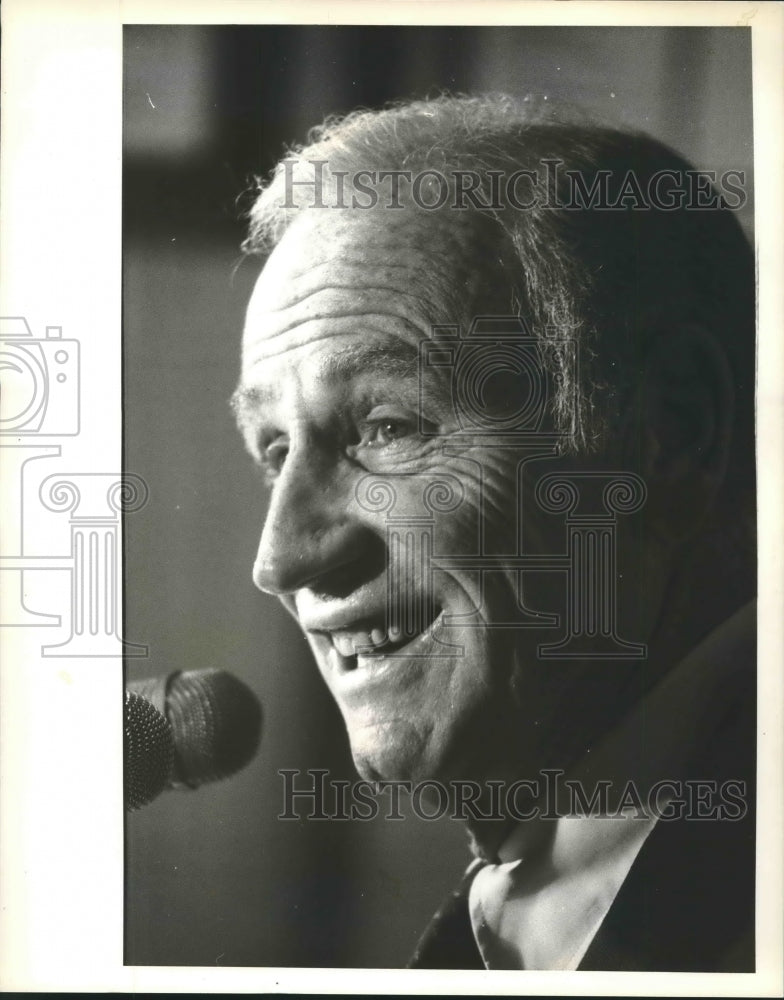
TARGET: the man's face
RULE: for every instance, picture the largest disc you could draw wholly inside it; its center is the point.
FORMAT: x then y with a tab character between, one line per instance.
329	396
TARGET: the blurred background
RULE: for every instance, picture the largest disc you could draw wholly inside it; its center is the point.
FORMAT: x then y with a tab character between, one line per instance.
213	877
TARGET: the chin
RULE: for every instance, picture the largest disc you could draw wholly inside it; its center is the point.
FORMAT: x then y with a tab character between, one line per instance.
394	751
445	747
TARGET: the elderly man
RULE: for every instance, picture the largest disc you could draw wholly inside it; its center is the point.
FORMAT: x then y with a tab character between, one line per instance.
470	296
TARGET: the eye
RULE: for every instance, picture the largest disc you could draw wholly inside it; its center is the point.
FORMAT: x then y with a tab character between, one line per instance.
388	430
382	428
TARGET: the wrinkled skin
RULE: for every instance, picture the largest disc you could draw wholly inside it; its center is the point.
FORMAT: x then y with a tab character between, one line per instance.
329	393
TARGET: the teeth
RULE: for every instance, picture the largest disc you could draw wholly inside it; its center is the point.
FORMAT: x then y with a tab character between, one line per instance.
355	642
344	643
352	643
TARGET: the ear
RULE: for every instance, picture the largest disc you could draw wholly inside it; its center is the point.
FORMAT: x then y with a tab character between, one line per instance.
684	418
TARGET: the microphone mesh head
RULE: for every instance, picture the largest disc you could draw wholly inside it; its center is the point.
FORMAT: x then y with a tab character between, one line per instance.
216	721
149	751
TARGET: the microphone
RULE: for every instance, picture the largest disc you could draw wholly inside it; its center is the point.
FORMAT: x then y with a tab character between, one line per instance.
185	730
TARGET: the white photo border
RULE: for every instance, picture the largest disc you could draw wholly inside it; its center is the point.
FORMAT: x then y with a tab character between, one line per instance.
61	838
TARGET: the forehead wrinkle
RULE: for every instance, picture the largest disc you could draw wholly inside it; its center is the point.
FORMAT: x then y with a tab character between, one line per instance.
440	264
351	254
343	363
370	255
360	291
256	352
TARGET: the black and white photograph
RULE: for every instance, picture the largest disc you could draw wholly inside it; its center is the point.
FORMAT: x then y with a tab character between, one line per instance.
497	313
431	571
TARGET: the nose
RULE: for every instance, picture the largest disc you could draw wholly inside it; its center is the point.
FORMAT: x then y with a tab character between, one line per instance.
311	537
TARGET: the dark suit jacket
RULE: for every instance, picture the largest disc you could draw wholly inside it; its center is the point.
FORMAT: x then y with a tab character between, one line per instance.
687	904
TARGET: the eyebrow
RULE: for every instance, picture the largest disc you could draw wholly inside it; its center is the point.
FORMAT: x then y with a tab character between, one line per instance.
391	358
344	364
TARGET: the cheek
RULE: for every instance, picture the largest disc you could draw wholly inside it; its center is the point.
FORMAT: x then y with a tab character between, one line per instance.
465	502
484	523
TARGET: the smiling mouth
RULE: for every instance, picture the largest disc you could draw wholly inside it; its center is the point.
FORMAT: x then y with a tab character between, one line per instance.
374	642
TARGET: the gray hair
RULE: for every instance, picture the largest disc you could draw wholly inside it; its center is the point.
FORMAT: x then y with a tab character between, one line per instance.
609	279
